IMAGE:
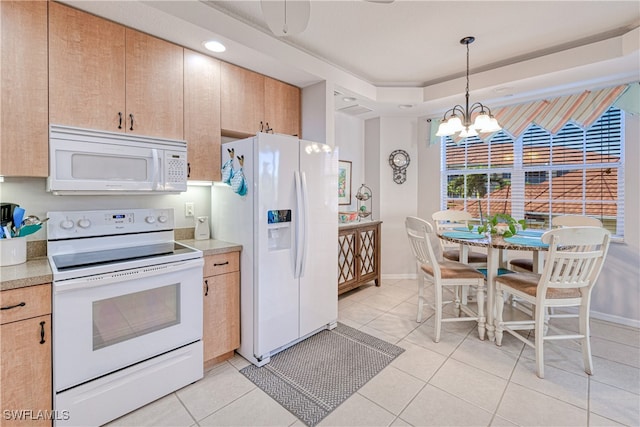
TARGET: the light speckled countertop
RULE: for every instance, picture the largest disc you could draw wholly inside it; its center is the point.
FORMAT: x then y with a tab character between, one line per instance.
36	271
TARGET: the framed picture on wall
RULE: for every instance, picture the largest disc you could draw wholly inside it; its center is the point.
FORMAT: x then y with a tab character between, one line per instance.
344	182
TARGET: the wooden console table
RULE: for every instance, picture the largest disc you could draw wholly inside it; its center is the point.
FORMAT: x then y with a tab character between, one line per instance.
358	254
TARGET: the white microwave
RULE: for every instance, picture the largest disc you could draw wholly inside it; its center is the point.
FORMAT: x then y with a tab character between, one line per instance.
86	161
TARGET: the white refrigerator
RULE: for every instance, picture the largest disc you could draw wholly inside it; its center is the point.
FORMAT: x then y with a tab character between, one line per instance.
287	224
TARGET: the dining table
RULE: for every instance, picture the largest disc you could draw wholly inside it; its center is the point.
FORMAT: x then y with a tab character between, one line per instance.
496	247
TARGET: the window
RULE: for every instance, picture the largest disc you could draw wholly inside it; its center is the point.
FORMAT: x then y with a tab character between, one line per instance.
540	175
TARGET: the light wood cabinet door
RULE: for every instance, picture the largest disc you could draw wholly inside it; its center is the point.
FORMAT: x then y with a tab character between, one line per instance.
25	371
202	115
86	70
359	254
24	150
154	86
282	107
242	100
221	331
25	356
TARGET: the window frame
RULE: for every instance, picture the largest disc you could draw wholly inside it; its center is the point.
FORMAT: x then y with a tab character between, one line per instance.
519	170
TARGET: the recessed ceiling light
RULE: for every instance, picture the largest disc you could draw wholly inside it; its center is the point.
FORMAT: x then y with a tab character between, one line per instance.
405	106
348	99
214	46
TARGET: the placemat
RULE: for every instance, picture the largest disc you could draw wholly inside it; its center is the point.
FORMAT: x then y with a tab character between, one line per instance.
526	241
462	235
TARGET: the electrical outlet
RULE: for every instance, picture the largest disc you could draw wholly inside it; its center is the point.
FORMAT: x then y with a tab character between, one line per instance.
189	209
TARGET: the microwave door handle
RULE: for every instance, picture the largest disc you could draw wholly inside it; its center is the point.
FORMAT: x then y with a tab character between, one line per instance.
155	172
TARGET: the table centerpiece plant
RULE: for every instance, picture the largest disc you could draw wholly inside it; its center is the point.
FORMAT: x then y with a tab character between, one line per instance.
501	224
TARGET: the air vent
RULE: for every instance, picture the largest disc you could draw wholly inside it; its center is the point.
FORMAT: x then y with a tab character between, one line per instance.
355	109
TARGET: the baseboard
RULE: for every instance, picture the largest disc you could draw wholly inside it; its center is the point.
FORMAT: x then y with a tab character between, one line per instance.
615	319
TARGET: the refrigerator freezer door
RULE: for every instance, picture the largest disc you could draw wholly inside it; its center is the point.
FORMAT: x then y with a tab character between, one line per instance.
276	289
319	279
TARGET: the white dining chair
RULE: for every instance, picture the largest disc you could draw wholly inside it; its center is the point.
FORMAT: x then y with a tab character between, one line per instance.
448	220
526	264
574	262
444	275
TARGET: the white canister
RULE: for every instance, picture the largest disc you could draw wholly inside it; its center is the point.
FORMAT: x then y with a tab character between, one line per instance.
13	251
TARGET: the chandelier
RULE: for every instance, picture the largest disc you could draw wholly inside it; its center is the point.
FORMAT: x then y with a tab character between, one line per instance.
458	120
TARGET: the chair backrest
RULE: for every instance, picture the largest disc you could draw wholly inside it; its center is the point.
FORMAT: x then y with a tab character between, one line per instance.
575	258
447	220
575	221
418	231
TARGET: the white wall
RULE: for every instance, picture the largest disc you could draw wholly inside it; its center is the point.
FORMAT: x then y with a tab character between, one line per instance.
350	143
616	296
31	195
397	201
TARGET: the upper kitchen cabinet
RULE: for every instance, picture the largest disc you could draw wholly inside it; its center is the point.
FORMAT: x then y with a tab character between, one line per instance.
23	82
155	77
202	115
251	102
242	100
86	70
282	107
105	76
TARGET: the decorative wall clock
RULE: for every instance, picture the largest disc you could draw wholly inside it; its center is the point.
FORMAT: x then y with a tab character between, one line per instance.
399	160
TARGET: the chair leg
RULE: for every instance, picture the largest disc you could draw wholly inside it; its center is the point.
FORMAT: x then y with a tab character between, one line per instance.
499	301
586	341
482	320
420	296
540	330
456	298
438	320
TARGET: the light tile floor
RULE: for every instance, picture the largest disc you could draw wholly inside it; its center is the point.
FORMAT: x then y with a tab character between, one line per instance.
460	381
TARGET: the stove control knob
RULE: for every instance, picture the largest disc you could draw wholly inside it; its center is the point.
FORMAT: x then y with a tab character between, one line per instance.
150	219
84	223
66	224
162	219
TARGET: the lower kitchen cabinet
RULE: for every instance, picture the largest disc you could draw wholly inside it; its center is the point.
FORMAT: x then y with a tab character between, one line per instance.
358	255
25	356
221	311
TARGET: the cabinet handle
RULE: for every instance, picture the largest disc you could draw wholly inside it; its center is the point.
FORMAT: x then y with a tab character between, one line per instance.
42	332
206	288
119	119
261	126
188	169
9	307
221	263
268	129
131	117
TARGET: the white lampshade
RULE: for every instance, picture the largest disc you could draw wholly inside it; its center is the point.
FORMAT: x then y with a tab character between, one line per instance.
444	129
481	122
455	124
467	132
492	126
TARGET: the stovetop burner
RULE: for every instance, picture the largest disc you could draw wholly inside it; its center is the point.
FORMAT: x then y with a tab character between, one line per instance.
82	243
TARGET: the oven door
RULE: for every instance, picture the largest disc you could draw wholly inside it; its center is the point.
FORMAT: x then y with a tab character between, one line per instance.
111	321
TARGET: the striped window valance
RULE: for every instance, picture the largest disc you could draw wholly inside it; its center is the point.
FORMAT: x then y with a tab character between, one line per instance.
582	109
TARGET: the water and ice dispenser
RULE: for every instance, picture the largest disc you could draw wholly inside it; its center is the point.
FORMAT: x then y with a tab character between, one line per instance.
279	229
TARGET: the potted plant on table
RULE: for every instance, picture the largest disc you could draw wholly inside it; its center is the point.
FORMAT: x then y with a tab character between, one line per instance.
501	224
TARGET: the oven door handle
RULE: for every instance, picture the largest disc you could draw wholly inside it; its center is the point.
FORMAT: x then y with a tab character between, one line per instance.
124	276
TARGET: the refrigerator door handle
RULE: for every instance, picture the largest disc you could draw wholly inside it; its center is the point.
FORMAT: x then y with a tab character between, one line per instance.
305	223
298	231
